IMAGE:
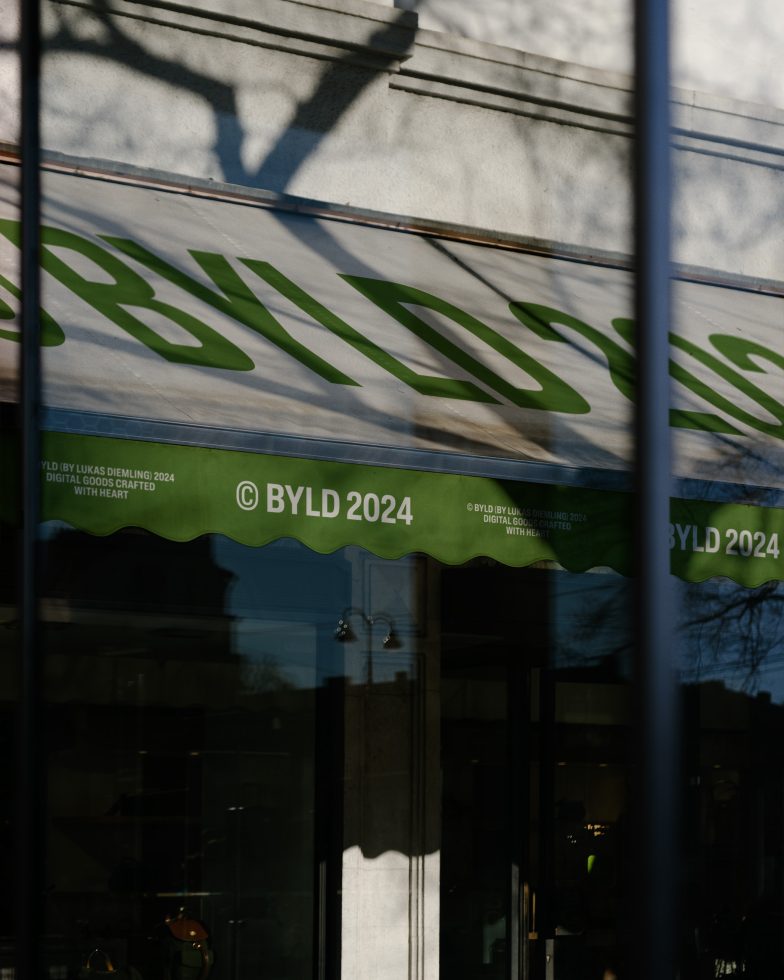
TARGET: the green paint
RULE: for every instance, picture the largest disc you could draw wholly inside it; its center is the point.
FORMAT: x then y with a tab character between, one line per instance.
128	289
101	484
740	351
51	332
681	418
6	313
394	298
543	320
423	383
181	492
235	301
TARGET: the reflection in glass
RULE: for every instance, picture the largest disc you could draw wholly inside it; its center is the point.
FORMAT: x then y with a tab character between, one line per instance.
181	685
221	762
338	765
733	697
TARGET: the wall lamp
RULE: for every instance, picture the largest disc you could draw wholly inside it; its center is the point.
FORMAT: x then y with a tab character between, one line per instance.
345	634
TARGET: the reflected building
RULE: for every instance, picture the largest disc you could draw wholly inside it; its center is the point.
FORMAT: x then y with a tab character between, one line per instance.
338	396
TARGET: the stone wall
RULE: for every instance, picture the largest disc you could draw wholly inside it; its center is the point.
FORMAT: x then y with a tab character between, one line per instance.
353	103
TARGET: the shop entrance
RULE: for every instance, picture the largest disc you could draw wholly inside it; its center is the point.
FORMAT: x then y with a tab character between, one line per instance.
534	768
340	766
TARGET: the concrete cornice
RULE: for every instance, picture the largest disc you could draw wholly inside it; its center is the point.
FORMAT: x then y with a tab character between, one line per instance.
495	77
738	125
431	64
124	173
516	75
353	31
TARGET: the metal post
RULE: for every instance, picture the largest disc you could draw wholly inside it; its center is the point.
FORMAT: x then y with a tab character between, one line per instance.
657	797
30	837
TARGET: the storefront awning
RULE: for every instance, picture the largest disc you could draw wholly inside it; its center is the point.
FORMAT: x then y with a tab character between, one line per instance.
102	484
231	316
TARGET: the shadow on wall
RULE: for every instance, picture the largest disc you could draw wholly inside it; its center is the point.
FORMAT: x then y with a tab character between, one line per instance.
341	84
299	138
706	54
596	33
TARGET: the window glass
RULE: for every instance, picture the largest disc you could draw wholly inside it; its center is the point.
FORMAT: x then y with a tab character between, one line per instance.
731	692
338	398
181	737
729	628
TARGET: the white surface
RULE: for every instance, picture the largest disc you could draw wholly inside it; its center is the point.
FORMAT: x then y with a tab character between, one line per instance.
102	369
730	48
418	122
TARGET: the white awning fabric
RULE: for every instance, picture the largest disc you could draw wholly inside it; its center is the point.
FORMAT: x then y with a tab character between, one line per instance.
170	307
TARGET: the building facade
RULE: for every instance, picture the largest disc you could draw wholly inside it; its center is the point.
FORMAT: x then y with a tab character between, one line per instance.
338	400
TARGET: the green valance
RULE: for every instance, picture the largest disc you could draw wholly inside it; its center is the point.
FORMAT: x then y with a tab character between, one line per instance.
102	484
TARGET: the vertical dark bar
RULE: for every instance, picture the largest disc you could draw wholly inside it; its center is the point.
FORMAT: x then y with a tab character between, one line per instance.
518	753
329	768
30	843
657	787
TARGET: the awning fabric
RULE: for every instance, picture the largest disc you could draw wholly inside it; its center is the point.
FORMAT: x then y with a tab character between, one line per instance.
102	484
175	308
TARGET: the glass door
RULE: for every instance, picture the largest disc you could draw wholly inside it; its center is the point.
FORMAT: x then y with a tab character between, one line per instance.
181	709
534	774
334	766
